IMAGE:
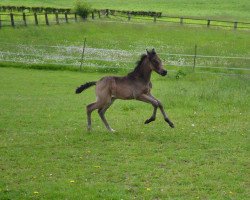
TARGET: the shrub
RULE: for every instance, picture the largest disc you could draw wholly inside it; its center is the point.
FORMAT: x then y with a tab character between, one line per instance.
83	9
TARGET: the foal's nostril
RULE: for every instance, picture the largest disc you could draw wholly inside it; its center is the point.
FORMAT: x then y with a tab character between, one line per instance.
164	73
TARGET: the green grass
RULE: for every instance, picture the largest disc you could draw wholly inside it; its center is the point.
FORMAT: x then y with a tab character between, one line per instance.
46	152
224	9
165	38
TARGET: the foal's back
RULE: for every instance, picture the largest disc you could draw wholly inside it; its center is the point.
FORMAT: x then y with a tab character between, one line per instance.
123	87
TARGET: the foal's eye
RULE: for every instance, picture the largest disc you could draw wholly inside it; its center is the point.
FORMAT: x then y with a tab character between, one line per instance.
156	62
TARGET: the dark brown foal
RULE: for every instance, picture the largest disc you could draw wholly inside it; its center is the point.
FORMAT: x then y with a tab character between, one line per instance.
136	85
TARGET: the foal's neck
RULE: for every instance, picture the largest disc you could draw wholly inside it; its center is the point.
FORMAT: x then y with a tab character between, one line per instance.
142	72
145	71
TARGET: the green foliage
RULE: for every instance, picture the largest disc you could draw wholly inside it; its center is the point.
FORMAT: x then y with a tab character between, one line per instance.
83	9
180	73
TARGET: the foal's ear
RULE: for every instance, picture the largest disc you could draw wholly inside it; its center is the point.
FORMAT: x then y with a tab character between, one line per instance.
153	51
147	51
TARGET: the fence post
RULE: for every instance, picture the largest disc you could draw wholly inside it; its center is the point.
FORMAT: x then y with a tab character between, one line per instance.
235	25
107	12
36	21
66	17
46	18
154	18
75	17
0	22
24	19
129	16
12	19
208	22
195	53
99	14
83	50
181	20
57	20
93	15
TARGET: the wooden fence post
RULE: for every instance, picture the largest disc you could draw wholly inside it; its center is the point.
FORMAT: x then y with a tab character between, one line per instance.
93	15
107	12
75	17
24	19
99	14
36	21
195	53
129	16
57	19
83	50
66	17
46	19
181	20
12	19
208	22
235	25
154	18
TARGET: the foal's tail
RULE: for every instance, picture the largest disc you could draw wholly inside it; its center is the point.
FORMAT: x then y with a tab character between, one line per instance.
84	87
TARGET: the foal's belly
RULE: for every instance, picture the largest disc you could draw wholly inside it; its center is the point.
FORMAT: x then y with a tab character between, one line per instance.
124	89
123	92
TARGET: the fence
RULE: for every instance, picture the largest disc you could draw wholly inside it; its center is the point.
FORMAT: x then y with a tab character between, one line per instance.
159	17
117	59
25	19
48	16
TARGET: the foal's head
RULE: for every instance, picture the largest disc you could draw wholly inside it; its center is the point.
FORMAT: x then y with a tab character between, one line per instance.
155	63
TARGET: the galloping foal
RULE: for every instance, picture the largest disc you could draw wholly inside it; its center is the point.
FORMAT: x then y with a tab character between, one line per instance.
136	85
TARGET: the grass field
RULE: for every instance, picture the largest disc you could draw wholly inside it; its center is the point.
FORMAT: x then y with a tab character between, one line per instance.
46	152
131	39
134	37
224	9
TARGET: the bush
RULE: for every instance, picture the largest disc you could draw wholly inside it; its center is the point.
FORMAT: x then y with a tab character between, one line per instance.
83	9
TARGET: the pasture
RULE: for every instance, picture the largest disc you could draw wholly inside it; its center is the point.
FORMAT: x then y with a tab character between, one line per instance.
45	149
46	152
224	9
116	45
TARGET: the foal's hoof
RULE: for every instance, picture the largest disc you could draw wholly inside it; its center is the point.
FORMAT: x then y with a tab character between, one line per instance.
149	120
112	130
171	125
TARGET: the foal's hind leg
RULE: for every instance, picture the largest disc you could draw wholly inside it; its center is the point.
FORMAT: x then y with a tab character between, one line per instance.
102	111
90	108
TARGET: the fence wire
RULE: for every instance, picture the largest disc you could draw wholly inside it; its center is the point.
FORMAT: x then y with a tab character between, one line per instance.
113	58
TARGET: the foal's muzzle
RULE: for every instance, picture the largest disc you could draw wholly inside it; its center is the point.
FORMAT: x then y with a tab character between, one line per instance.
164	72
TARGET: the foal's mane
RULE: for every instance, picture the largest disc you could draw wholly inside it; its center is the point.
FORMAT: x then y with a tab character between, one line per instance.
138	65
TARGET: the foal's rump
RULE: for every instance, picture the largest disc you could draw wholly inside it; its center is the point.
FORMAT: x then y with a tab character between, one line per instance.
114	87
104	89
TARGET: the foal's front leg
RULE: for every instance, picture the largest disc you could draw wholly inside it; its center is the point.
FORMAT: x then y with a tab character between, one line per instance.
156	103
152	118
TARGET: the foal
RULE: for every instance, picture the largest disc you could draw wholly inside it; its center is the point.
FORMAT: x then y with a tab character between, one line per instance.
136	85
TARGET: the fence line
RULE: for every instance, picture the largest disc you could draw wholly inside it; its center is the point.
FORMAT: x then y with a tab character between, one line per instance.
129	68
171	70
150	16
113	58
98	59
116	60
118	50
